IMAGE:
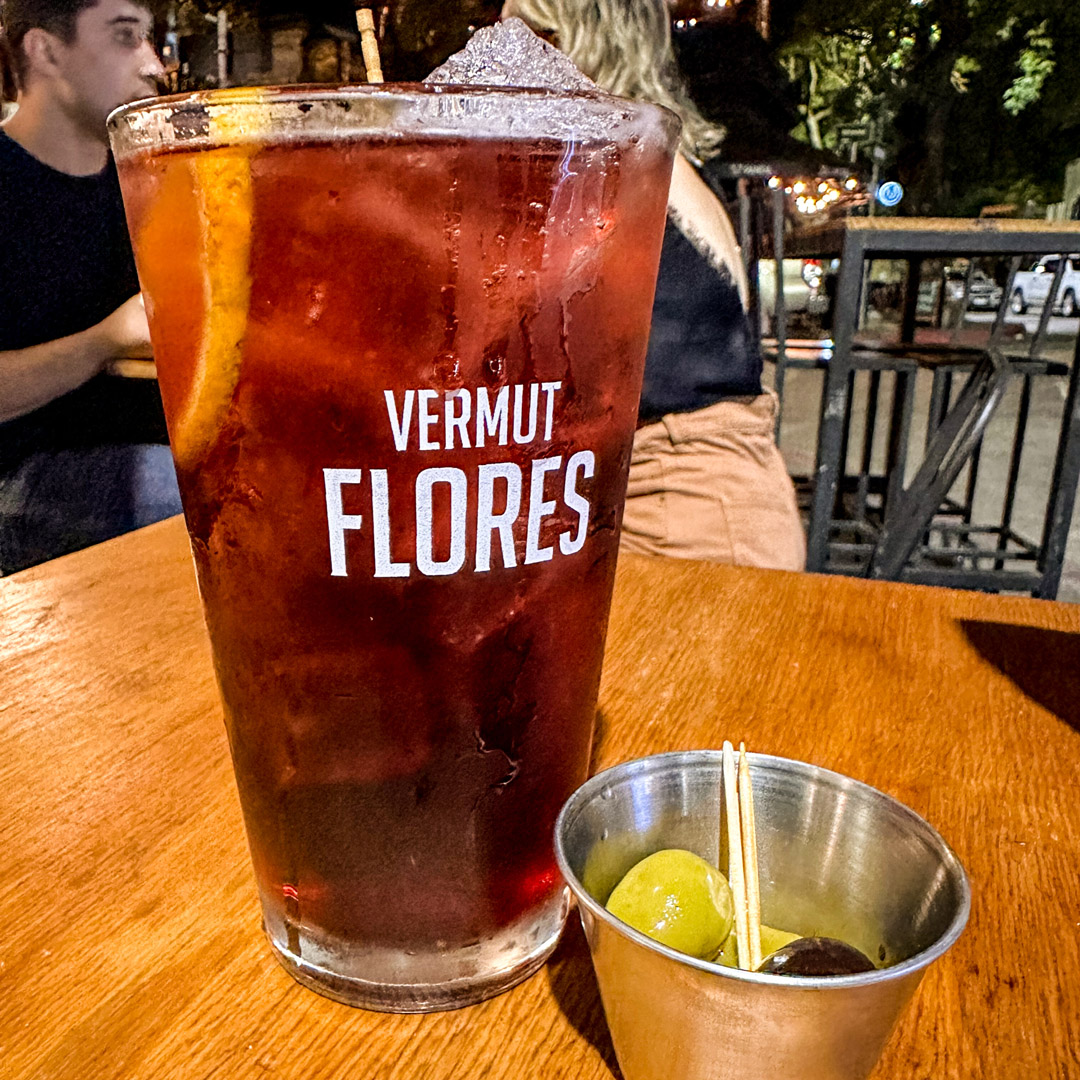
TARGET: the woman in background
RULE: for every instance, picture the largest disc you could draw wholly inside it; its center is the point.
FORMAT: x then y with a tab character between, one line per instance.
706	478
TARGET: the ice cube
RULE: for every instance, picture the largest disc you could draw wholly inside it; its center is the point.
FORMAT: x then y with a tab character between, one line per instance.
510	54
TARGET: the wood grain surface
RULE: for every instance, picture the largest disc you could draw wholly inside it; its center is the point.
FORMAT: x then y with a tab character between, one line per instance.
1005	226
129	926
924	236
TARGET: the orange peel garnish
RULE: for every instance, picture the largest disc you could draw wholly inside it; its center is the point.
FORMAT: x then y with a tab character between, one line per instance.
222	183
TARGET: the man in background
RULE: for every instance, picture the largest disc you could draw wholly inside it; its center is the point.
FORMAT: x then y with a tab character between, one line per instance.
81	454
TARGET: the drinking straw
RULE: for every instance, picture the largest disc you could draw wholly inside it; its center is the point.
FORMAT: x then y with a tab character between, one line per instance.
369	44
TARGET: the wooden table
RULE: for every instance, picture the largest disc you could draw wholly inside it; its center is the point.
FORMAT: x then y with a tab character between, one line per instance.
129	926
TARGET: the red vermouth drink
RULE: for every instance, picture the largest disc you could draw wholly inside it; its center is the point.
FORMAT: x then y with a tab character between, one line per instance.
400	336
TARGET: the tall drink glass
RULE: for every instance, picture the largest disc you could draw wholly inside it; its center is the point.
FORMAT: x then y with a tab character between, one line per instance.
400	334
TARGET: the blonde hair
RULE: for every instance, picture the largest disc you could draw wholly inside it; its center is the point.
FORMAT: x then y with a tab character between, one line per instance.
624	46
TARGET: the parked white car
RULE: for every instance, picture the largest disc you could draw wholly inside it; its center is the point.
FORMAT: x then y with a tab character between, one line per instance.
803	290
1032	287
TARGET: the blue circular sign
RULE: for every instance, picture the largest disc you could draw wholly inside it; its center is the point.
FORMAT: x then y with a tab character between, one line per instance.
890	193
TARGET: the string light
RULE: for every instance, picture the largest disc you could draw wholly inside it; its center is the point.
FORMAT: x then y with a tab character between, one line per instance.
814	196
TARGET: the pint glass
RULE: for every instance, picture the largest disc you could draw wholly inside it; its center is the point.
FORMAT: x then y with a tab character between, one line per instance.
400	335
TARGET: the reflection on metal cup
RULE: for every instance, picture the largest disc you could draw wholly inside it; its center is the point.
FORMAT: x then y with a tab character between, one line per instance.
837	858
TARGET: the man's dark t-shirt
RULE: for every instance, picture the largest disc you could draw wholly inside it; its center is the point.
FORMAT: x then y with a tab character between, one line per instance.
65	257
82	468
65	264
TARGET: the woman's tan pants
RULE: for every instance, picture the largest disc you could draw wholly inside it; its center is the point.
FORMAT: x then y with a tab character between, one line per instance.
711	484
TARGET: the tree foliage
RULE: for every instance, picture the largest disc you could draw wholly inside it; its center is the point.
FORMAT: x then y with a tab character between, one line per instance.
967	97
1036	62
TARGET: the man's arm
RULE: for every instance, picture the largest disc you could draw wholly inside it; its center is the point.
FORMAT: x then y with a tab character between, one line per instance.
34	376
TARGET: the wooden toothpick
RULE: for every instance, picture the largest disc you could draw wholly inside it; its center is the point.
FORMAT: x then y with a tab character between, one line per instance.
735	858
750	860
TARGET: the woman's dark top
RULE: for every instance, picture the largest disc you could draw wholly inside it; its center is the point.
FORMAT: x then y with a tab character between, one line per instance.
701	349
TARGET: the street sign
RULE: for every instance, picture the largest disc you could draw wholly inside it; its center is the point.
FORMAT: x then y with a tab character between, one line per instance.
854	132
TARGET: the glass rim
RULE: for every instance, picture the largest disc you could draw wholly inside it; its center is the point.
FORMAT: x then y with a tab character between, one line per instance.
595	103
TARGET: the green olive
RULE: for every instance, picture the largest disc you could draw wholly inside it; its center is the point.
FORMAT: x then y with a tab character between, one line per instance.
771	940
678	899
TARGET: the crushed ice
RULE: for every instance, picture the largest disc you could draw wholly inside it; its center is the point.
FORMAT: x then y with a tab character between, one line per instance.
510	54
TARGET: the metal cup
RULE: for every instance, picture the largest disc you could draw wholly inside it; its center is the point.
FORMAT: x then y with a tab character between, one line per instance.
837	858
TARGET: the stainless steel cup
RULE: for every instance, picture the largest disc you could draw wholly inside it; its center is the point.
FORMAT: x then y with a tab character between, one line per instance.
837	858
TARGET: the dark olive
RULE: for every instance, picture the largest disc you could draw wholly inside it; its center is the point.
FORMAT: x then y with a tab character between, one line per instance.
816	956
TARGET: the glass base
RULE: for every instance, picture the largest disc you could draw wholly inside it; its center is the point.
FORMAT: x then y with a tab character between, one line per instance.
395	980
